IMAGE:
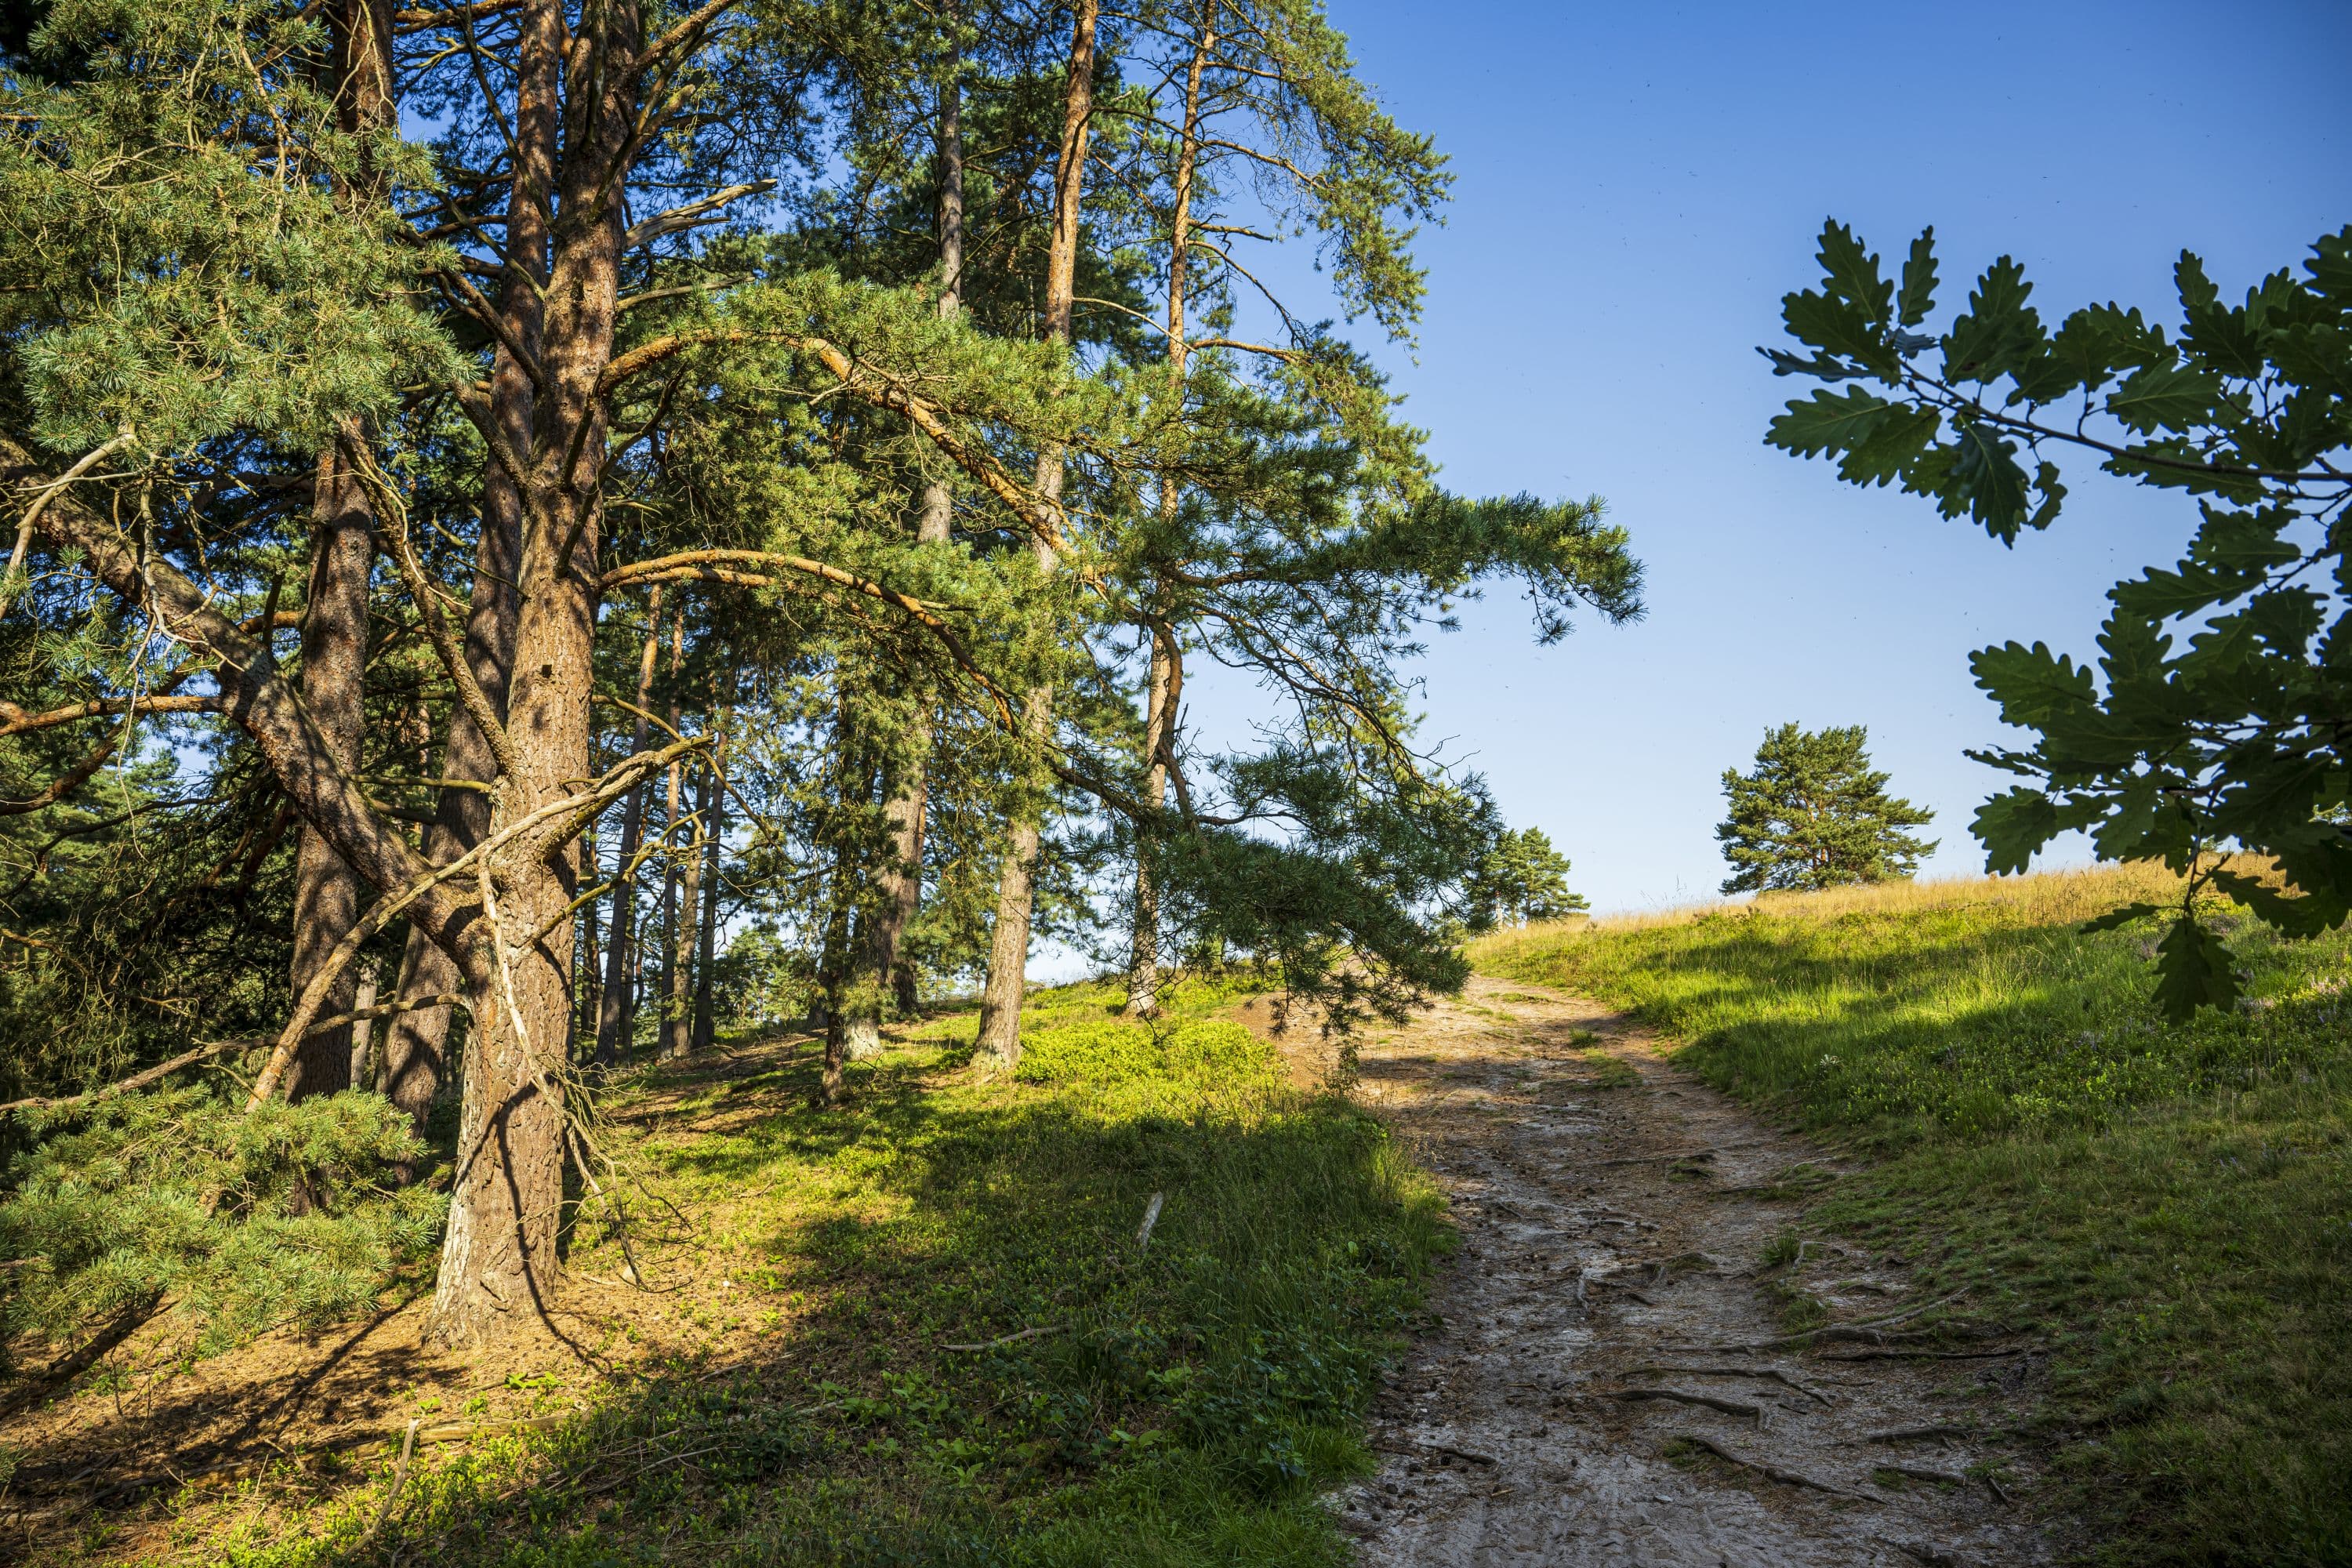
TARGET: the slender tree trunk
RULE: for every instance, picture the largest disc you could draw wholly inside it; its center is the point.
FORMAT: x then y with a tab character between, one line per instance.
616	1013
1165	681
363	1032
416	1044
584	1018
499	1255
678	1019
910	802
705	1033
1008	952
328	894
666	1021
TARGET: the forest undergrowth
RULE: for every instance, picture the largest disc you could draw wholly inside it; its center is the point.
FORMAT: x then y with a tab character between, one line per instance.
2169	1207
924	1327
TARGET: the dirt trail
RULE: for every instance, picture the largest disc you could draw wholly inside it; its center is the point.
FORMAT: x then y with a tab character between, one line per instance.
1606	1251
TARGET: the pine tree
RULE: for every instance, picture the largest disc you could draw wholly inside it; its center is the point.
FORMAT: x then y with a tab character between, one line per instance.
1523	879
1814	813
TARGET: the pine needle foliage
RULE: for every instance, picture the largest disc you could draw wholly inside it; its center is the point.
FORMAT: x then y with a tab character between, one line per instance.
1814	813
180	1201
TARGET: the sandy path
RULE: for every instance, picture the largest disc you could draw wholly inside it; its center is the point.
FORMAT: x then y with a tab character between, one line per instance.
1596	1261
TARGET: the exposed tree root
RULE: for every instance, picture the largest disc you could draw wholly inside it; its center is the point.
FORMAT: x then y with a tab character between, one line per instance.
1770	1472
1729	1407
1764	1374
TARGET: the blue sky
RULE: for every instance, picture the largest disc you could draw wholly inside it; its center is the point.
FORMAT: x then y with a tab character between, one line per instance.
1635	188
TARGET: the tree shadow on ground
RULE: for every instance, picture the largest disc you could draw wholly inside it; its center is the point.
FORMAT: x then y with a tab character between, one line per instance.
915	1328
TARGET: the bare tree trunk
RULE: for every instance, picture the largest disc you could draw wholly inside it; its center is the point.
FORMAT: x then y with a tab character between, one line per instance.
416	1044
327	893
616	1013
499	1255
1160	710
362	1032
1008	951
910	802
592	948
666	1023
678	1019
705	1033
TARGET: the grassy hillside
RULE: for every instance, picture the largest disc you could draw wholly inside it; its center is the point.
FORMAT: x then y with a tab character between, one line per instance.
2170	1207
919	1329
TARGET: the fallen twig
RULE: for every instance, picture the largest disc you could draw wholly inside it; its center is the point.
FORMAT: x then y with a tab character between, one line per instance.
1926	1355
1008	1338
399	1477
1910	1434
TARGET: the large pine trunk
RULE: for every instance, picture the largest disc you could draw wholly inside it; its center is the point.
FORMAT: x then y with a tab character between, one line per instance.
1166	681
328	894
417	1046
498	1256
1008	949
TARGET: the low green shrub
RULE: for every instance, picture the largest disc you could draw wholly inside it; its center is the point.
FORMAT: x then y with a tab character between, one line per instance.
1198	1052
239	1222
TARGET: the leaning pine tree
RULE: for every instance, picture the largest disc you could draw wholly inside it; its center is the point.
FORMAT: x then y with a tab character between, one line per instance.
1814	814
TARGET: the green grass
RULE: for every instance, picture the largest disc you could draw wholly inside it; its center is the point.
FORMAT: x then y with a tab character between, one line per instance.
1183	1404
2169	1208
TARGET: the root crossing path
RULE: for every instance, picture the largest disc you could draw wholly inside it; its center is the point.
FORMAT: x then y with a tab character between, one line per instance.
1612	1378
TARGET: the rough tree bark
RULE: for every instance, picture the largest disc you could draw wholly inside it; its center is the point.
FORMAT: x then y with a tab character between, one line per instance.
499	1253
416	1045
706	1021
327	892
1008	952
678	1011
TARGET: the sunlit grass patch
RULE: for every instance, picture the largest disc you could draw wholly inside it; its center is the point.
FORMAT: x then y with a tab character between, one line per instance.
941	1339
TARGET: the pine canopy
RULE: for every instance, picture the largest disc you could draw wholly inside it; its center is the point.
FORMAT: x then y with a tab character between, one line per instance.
1814	814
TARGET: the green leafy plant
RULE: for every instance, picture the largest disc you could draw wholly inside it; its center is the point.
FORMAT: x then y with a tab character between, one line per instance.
2214	722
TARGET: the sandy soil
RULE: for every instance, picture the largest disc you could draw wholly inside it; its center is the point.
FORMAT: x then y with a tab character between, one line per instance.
1613	1273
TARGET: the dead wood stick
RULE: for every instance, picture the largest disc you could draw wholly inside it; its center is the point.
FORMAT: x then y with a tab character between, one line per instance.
1008	1338
1729	1407
1921	1473
1770	1472
216	1048
1654	1159
399	1476
1909	1434
465	1430
1925	1355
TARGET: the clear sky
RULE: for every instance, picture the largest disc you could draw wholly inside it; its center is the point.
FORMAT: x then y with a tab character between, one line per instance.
1635	188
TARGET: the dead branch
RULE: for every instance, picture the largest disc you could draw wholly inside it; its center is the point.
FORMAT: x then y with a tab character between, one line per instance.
217	1047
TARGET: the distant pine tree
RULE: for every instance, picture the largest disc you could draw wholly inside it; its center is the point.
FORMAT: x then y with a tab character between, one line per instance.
1814	813
1524	879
